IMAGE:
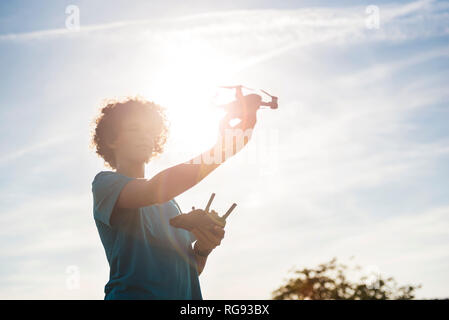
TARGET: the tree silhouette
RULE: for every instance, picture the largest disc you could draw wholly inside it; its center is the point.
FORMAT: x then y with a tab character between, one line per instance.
329	281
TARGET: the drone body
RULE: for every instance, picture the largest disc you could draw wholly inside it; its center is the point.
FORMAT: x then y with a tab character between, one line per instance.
239	107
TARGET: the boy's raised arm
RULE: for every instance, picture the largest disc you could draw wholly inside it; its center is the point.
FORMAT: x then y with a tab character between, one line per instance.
173	181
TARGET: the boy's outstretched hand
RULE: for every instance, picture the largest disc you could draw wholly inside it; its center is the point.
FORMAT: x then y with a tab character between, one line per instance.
207	239
232	139
248	117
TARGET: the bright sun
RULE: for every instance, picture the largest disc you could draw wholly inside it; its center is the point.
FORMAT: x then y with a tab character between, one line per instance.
186	85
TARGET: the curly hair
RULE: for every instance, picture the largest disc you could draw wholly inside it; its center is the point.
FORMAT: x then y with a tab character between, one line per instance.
112	113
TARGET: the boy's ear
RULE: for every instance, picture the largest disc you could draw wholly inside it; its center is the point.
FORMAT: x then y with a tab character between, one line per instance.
111	145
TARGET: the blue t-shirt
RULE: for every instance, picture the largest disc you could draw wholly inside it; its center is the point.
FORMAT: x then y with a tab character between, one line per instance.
148	258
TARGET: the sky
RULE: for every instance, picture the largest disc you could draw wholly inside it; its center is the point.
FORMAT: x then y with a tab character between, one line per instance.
353	164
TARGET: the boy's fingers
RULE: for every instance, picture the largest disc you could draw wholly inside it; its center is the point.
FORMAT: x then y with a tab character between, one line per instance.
203	238
207	234
211	238
200	237
218	231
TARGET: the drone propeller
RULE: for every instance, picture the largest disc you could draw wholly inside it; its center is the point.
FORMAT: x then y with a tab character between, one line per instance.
273	104
235	87
268	94
231	87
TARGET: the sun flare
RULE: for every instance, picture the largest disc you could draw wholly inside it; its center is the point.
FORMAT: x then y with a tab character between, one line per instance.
187	83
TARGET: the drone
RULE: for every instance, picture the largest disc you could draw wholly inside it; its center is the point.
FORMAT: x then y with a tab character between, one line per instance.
242	102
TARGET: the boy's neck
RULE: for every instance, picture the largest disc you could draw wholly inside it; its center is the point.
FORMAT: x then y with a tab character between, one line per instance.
132	171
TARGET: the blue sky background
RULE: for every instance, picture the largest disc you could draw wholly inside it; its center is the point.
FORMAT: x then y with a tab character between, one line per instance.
354	163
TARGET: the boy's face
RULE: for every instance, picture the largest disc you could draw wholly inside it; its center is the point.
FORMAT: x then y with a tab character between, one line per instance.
135	140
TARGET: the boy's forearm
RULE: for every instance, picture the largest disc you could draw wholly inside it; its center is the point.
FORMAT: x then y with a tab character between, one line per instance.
175	180
200	263
200	257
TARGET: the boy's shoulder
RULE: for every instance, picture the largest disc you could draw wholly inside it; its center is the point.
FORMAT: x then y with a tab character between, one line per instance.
109	176
103	174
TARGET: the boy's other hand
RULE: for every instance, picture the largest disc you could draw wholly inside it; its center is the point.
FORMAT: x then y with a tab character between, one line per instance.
207	239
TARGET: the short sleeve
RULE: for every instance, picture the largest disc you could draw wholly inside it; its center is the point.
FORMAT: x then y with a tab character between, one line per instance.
106	189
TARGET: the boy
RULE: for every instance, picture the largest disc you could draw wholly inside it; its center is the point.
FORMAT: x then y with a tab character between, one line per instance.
148	258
